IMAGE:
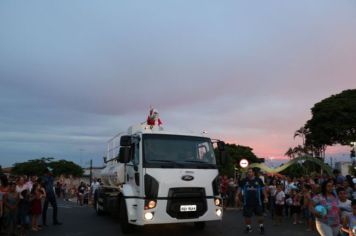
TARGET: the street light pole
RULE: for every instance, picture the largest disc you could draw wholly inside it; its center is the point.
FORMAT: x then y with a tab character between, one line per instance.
91	172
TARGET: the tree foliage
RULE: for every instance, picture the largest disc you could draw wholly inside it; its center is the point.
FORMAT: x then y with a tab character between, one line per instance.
234	154
333	121
63	167
301	132
297	152
31	167
40	166
301	169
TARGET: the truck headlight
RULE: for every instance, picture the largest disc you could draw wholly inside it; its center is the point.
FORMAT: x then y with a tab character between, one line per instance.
219	212
148	215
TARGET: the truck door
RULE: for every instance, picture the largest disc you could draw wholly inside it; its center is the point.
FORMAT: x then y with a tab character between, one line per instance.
133	175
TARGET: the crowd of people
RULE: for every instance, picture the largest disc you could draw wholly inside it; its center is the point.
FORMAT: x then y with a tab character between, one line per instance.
326	204
24	201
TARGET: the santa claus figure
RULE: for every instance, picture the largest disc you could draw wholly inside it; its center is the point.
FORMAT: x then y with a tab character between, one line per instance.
153	118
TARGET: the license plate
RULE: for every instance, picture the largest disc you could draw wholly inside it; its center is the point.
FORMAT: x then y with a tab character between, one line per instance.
188	208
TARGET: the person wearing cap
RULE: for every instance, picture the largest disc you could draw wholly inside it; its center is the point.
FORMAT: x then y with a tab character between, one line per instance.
50	198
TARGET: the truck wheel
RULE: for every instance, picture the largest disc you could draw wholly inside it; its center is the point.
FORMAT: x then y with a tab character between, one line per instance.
126	227
199	225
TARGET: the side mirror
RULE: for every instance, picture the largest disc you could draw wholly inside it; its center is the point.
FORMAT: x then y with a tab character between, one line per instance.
221	146
125	140
105	159
125	154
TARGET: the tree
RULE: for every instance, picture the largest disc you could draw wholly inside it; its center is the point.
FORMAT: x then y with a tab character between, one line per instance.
297	151
333	121
290	153
40	166
301	132
295	170
63	167
301	169
234	155
31	167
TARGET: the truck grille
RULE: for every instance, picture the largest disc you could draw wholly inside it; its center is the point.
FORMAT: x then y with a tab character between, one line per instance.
186	196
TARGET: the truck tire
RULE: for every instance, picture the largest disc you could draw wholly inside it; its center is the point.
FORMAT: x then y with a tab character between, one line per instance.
126	227
199	225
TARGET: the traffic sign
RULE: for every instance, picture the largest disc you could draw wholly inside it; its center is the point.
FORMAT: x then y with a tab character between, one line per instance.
244	163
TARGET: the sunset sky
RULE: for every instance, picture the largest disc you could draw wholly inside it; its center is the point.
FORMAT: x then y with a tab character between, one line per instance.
75	73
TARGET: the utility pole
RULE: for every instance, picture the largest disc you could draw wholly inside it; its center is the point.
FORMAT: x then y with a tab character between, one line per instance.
91	172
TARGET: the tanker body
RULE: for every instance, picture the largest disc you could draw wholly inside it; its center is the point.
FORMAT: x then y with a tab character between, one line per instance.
154	176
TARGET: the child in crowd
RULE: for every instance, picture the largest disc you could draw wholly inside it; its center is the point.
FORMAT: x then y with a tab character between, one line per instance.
36	208
349	221
280	199
296	206
344	203
306	201
272	190
10	214
24	210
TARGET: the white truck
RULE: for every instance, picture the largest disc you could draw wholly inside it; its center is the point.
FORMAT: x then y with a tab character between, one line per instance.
153	176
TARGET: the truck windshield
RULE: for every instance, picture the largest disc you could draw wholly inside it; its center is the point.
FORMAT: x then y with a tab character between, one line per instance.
176	151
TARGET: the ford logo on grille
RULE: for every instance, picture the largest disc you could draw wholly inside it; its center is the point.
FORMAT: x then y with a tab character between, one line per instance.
187	177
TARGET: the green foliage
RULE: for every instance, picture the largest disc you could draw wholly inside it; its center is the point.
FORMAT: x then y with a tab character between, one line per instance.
31	167
310	167
333	120
294	170
63	167
234	153
39	167
301	169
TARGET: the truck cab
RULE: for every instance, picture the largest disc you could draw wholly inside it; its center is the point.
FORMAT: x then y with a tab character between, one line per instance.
169	177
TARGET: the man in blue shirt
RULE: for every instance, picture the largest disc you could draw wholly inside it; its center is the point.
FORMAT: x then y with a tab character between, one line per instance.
50	198
251	192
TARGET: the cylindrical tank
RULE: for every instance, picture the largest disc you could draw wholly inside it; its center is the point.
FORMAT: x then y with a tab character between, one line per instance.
113	174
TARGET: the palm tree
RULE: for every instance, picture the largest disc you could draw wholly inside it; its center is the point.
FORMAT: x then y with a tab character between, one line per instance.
301	132
300	151
290	153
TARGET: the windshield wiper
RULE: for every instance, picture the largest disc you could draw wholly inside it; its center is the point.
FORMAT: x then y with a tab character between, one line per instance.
162	161
197	161
166	163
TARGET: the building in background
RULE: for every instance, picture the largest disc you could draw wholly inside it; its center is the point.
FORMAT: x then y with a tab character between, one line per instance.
343	167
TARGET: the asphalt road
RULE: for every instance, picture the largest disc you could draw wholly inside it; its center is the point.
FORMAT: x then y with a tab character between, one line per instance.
82	220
